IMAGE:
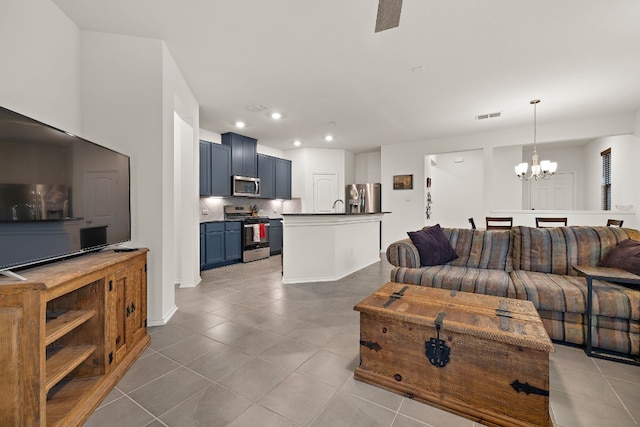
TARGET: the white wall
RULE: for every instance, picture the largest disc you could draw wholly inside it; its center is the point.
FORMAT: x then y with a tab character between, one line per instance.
306	162
507	191
207	135
178	99
40	71
367	168
456	188
122	109
624	173
350	170
407	207
131	89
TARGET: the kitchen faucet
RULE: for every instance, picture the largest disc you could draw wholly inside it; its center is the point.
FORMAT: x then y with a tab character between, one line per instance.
338	200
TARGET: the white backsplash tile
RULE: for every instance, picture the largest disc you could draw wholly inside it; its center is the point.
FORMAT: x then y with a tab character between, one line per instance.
214	206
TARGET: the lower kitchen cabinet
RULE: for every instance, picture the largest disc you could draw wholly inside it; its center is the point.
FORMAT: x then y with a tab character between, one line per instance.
232	240
220	243
214	242
275	236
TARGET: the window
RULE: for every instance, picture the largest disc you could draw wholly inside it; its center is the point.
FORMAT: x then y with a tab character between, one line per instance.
606	179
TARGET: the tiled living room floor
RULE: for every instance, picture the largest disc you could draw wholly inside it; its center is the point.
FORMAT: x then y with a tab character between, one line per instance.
246	350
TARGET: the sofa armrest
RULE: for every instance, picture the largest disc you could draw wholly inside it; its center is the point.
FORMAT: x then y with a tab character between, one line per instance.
403	253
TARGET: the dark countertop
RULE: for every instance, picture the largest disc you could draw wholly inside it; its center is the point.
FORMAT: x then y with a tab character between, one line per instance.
334	214
231	220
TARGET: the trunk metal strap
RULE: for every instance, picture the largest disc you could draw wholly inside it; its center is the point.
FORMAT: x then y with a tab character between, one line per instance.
504	315
394	296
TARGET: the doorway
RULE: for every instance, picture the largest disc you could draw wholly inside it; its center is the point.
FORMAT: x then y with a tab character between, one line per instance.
557	193
325	191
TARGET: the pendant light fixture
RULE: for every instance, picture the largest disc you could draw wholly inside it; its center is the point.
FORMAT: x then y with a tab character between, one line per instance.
543	170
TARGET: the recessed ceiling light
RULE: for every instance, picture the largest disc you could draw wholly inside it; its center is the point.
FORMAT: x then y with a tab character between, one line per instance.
240	124
297	143
328	138
275	115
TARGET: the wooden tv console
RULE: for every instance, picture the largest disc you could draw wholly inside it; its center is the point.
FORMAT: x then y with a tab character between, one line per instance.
68	334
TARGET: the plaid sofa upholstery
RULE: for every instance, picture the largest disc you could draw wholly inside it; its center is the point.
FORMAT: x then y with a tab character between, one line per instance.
536	264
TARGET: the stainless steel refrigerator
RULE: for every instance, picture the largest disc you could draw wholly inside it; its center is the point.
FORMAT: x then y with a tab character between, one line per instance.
363	198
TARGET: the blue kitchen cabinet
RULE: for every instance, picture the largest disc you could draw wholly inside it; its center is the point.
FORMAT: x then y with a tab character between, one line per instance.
244	154
233	240
275	236
215	169
283	179
220	170
267	175
205	168
202	246
214	242
220	244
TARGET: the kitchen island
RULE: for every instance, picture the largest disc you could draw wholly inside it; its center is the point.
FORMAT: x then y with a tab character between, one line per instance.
329	246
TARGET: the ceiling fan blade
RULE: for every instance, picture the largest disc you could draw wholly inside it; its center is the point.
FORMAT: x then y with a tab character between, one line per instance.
388	14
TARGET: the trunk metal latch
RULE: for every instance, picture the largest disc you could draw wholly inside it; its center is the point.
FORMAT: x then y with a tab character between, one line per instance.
437	350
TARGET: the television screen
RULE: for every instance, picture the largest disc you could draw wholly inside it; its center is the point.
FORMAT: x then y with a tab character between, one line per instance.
60	195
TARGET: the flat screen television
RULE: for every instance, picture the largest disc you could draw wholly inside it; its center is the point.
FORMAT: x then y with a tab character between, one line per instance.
60	195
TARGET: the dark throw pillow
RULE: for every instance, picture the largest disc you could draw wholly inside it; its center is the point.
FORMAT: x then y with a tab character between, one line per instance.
433	246
625	256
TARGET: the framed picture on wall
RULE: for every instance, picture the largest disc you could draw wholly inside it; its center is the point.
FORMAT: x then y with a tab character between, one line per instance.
403	182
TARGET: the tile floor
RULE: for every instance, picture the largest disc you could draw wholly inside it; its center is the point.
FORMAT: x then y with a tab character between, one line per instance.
246	350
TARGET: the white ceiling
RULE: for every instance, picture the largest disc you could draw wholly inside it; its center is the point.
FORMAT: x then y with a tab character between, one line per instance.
319	61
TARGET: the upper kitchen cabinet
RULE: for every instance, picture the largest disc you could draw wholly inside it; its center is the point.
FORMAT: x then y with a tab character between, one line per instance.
283	178
215	169
244	160
220	170
205	168
267	175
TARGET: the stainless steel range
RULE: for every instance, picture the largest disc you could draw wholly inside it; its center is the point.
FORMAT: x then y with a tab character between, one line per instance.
255	231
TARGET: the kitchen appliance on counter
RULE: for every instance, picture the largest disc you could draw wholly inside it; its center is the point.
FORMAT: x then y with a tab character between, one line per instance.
255	231
363	198
245	186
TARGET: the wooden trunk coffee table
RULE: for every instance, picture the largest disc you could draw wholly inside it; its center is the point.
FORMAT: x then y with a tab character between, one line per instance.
482	357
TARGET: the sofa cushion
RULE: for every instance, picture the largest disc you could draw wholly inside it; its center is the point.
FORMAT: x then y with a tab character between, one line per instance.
481	249
478	280
556	250
564	293
625	256
433	246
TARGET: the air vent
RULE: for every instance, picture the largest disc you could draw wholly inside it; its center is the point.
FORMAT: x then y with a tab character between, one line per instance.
257	108
488	116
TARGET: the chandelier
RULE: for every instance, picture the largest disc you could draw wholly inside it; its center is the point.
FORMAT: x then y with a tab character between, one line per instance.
543	170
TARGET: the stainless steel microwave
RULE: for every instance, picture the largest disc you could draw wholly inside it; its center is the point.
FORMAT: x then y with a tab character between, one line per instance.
245	186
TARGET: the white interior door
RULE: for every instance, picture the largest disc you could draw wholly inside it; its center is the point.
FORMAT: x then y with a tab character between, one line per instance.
325	192
557	193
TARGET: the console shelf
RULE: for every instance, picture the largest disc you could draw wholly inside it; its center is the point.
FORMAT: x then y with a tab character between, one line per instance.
59	324
61	361
70	332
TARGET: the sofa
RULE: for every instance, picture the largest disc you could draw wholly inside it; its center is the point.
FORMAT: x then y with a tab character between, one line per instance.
536	264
